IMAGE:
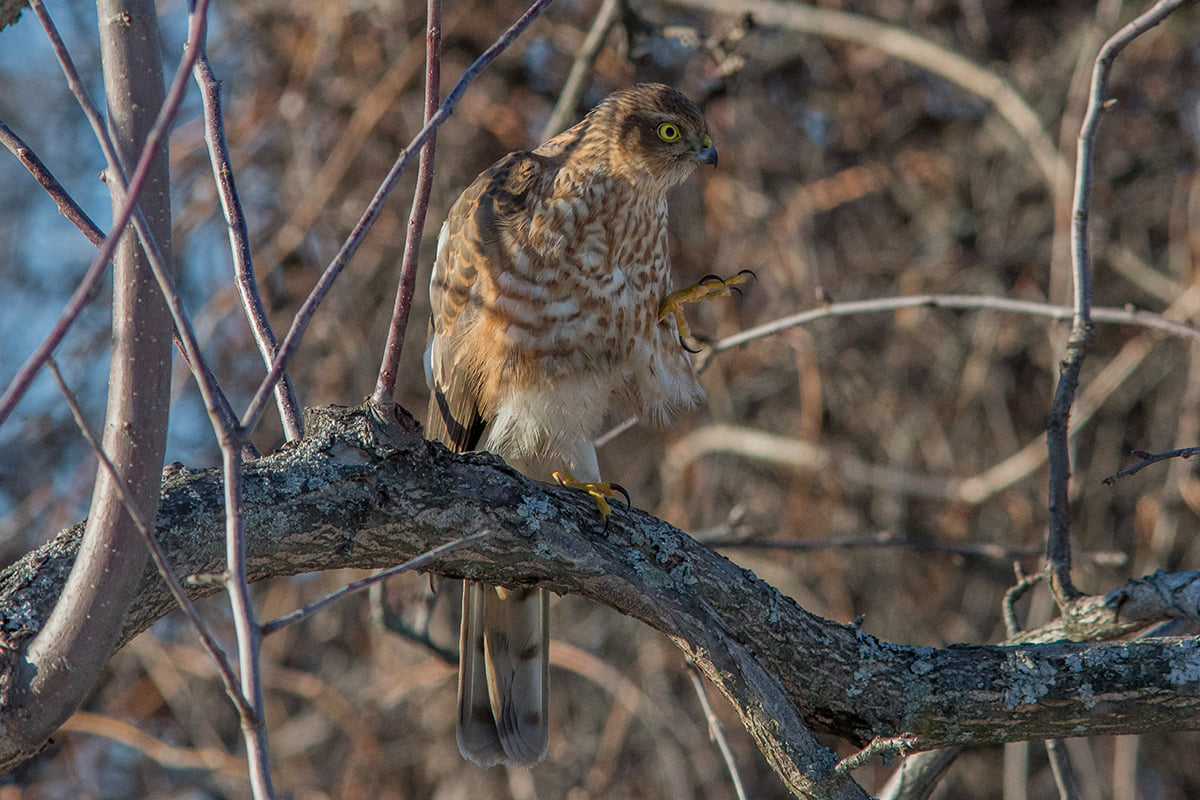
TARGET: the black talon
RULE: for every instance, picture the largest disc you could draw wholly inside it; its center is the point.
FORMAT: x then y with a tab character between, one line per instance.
736	289
618	487
749	272
710	278
684	345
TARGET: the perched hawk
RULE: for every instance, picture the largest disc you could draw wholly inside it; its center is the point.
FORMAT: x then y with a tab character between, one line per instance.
550	312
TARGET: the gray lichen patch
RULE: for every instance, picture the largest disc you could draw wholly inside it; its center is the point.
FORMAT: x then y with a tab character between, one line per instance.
533	510
1185	663
1026	679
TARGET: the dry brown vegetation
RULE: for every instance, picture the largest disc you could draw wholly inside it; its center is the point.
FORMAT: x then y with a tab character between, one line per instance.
888	467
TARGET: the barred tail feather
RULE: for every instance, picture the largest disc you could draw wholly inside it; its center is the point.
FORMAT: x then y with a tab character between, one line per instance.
504	675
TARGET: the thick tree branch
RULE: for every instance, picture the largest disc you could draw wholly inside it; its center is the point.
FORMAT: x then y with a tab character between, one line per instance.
60	664
364	493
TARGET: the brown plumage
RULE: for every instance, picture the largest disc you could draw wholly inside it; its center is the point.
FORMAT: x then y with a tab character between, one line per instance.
550	271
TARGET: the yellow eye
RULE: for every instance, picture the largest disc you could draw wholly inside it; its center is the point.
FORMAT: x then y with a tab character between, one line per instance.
669	132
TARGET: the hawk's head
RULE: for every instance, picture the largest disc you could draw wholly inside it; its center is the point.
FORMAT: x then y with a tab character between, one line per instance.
655	135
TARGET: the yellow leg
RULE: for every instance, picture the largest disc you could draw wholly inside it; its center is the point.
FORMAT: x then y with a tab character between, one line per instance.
599	491
707	288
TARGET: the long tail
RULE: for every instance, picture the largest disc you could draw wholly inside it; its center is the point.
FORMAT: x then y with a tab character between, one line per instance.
504	676
504	657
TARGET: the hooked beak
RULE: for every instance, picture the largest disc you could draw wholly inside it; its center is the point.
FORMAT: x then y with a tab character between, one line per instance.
707	154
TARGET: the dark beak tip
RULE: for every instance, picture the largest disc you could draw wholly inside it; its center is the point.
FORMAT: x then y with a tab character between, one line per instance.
707	156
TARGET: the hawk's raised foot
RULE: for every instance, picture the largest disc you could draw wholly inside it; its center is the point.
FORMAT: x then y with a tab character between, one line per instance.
600	492
707	288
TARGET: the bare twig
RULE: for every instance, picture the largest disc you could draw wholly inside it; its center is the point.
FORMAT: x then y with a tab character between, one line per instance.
1184	306
888	539
1147	459
24	377
716	731
413	563
919	775
385	385
217	405
1106	16
239	240
1060	765
1058	546
1012	625
84	293
62	198
368	111
572	91
249	636
292	340
156	551
1117	316
383	615
886	746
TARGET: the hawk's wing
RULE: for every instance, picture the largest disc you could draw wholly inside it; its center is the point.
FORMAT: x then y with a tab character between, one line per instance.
471	255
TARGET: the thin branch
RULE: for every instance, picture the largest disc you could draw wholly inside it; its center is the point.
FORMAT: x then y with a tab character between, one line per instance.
888	539
88	286
84	293
1137	606
385	384
1064	774
1150	458
385	617
308	610
292	341
572	91
156	551
974	489
86	290
716	731
1058	544
886	746
218	406
1012	625
249	636
239	239
920	774
1116	316
62	198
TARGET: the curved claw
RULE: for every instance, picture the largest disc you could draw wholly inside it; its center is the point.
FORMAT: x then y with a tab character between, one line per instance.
616	487
749	272
710	278
598	491
684	345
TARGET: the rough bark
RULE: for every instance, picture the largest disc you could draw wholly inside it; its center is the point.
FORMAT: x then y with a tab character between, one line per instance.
363	492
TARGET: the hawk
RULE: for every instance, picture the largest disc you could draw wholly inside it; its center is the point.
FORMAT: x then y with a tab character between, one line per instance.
551	310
